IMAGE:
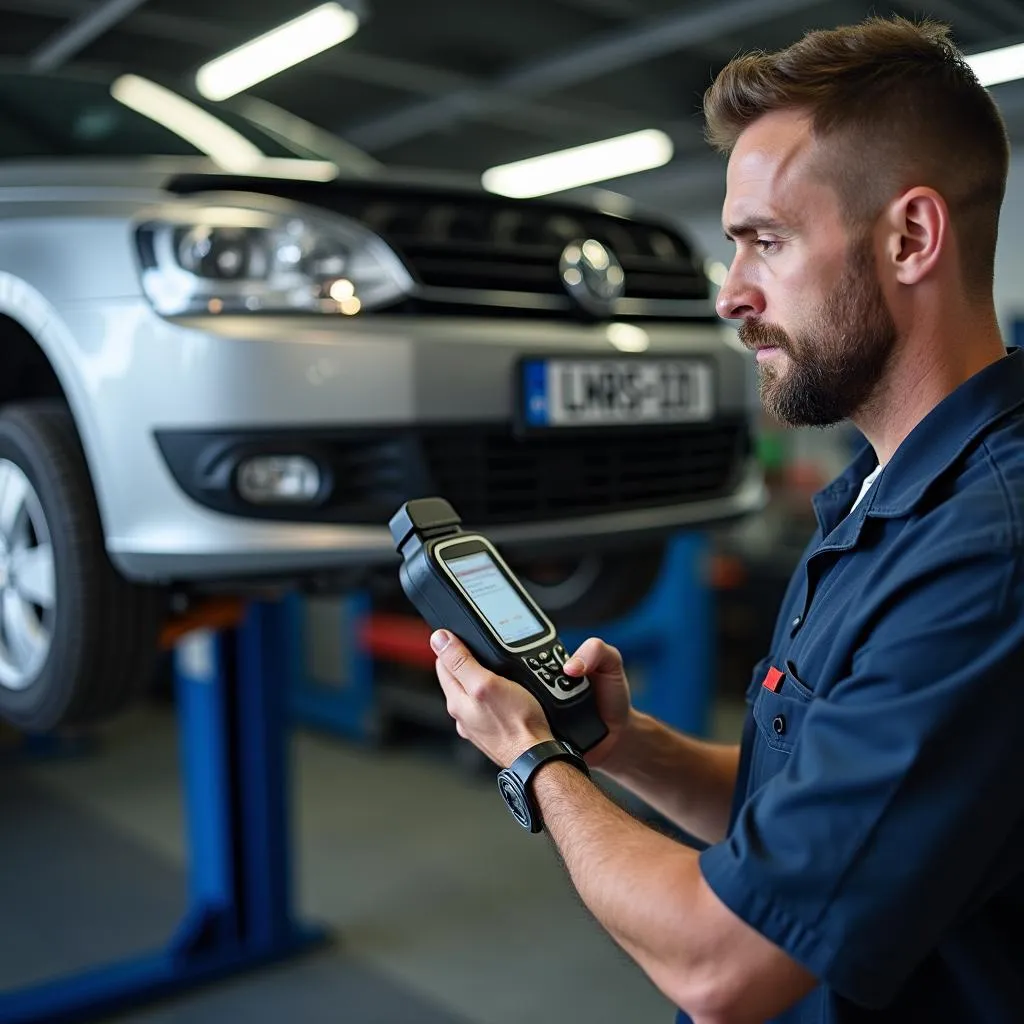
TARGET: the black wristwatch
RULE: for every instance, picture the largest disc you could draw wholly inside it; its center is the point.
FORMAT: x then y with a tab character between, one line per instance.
514	781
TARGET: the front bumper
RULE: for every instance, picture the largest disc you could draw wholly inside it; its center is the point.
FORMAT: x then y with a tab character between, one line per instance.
143	379
233	549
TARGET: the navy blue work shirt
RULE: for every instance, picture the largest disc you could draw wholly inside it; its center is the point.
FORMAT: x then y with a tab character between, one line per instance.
877	834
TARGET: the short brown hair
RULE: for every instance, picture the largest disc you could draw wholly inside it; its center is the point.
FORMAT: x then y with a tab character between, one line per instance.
899	106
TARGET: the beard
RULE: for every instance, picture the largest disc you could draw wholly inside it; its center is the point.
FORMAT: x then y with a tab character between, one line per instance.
836	363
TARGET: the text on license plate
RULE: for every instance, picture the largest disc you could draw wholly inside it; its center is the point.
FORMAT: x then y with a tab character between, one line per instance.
567	392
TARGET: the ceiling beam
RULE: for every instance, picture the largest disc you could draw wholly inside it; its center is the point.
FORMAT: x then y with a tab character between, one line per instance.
543	119
628	9
395	73
611	51
961	19
1009	10
391	72
90	24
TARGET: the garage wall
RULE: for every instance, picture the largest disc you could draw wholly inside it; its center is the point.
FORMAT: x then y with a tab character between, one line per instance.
1009	288
1010	254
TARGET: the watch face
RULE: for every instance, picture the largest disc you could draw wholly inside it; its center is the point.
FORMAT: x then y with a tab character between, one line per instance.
512	793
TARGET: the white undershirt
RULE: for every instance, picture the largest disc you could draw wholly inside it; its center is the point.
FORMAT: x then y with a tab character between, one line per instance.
866	486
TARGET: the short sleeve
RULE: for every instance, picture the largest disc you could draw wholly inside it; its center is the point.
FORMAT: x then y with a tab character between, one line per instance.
904	786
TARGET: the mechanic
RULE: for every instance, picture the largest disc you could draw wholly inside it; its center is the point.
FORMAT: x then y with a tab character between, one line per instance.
866	839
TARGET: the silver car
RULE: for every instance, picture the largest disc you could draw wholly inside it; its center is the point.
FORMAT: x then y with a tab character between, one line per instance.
232	347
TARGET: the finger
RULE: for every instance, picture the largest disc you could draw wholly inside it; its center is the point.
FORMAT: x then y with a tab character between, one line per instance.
594	656
455	656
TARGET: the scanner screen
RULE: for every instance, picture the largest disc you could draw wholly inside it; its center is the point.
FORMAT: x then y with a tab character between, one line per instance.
495	598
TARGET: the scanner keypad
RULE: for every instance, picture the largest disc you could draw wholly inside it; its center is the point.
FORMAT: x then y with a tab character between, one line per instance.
546	666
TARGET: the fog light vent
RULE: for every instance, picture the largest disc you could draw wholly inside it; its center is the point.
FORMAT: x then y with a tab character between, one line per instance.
279	479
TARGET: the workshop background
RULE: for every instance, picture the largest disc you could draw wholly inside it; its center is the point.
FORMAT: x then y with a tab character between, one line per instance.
439	907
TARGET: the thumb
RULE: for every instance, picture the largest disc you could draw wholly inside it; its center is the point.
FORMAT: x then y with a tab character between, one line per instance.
453	654
595	657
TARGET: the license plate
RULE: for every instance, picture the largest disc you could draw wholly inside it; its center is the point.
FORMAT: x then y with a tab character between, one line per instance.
607	392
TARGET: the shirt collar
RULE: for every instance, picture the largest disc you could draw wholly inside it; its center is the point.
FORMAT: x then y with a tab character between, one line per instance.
831	503
930	448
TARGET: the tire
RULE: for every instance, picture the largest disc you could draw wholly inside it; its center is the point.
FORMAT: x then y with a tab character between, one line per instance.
77	640
592	589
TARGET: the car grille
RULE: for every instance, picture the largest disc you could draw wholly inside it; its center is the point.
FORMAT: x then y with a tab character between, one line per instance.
489	474
472	253
488	246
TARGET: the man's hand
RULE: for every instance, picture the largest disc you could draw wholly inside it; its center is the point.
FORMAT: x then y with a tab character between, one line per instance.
602	665
499	717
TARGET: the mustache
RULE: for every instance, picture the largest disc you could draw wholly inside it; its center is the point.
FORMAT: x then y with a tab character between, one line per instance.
755	334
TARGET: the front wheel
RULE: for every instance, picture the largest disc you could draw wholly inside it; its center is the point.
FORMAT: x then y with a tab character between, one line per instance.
77	640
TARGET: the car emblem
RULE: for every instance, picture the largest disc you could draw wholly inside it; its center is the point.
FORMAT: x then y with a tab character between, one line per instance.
591	275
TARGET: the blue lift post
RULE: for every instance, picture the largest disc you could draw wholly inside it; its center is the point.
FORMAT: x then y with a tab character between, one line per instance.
350	711
669	636
232	715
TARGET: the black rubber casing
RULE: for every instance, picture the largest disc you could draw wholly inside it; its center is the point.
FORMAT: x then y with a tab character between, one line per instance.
418	528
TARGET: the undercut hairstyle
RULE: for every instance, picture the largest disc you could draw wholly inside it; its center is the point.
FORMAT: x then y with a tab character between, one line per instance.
894	106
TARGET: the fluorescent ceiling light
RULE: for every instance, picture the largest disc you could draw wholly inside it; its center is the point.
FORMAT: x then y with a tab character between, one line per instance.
230	149
996	66
289	44
582	165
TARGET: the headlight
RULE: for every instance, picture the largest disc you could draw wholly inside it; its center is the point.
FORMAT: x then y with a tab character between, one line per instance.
232	259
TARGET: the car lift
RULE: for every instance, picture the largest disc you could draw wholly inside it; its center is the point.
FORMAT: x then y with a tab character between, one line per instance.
668	637
230	666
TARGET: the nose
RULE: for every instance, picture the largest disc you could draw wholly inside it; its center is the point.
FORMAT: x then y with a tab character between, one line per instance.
738	297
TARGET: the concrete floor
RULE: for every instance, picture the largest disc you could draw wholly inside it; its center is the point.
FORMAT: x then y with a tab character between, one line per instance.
432	892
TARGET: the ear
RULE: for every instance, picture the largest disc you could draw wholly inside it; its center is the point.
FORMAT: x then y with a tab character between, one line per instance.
918	234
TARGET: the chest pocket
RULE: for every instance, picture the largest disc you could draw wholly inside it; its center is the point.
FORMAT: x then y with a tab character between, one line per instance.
779	717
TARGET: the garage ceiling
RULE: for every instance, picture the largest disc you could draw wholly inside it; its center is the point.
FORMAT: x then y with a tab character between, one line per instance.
462	85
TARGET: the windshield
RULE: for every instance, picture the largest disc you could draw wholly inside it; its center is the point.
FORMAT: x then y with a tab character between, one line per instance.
57	116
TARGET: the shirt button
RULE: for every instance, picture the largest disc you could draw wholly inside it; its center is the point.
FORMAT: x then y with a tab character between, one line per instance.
797	621
779	724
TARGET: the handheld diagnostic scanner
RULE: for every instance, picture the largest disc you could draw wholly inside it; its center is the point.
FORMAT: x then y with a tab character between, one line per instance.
457	581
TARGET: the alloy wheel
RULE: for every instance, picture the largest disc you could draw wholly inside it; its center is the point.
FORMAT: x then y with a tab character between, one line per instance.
28	590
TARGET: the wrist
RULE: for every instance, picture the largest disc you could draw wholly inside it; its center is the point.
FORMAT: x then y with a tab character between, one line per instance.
515	781
523	743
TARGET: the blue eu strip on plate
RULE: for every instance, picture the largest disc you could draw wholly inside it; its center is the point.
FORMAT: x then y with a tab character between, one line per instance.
535	392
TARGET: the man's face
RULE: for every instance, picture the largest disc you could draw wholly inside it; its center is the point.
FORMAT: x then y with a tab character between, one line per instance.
807	292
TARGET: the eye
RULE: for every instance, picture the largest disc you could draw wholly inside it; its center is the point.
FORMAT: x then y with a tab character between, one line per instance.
766	246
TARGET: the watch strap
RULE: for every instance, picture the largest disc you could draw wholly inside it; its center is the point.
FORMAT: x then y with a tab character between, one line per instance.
533	757
522	770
